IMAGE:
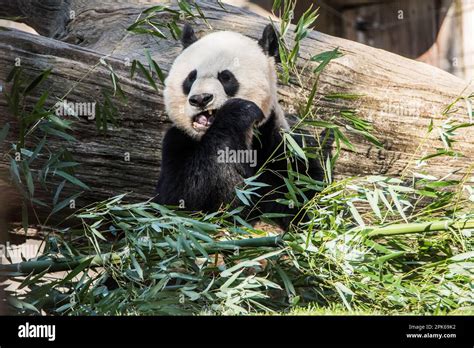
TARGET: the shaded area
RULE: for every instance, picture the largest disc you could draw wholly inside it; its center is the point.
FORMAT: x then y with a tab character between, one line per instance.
433	31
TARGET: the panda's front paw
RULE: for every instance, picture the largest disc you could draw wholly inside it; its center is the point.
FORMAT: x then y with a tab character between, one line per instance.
241	110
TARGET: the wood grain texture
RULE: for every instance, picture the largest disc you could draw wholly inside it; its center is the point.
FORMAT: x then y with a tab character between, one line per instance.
47	17
400	96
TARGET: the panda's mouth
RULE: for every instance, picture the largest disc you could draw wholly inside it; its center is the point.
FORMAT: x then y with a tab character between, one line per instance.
204	120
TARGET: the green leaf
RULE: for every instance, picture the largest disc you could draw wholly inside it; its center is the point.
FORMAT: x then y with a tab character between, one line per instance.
29	178
343	96
137	267
290	289
320	123
294	147
242	197
158	9
343	291
61	123
373	199
154	66
147	75
231	280
61	205
40	103
39	79
384	200
79	268
97	233
276	5
325	58
38	149
15	173
72	179
356	214
339	136
464	256
58	133
469	109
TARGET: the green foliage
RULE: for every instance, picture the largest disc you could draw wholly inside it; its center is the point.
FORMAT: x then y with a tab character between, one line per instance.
151	22
451	124
153	69
338	125
168	262
289	53
32	161
106	110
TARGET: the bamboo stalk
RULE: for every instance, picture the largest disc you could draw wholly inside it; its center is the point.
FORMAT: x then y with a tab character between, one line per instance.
272	242
421	227
58	265
61	264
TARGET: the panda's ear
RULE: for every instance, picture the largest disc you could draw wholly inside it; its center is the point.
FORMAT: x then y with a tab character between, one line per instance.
269	42
187	36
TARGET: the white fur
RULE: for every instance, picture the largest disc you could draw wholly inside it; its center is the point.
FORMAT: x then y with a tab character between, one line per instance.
219	51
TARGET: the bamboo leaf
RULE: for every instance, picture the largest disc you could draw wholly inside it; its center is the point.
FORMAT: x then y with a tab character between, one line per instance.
325	58
137	267
356	214
72	179
63	204
154	66
290	289
147	75
294	147
397	203
37	81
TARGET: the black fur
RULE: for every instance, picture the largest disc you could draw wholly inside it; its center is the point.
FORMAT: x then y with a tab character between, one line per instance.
229	82
188	82
187	36
190	171
269	42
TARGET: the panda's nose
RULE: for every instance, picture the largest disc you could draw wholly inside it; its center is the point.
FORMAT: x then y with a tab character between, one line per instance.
201	100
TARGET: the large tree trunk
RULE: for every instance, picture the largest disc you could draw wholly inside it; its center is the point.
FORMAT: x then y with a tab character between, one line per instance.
399	96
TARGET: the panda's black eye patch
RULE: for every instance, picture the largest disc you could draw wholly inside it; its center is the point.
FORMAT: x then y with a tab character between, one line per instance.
188	82
229	82
225	76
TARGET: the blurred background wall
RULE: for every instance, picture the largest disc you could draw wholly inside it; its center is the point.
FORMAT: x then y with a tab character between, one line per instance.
438	32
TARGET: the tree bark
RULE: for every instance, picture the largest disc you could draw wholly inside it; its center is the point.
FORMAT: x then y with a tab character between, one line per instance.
47	17
400	96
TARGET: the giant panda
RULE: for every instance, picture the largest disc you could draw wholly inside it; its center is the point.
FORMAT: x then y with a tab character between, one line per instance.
221	92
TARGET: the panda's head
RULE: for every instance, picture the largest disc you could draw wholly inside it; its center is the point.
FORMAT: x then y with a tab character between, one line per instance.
215	68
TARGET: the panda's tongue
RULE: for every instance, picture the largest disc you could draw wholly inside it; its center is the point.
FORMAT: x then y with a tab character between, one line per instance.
203	121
